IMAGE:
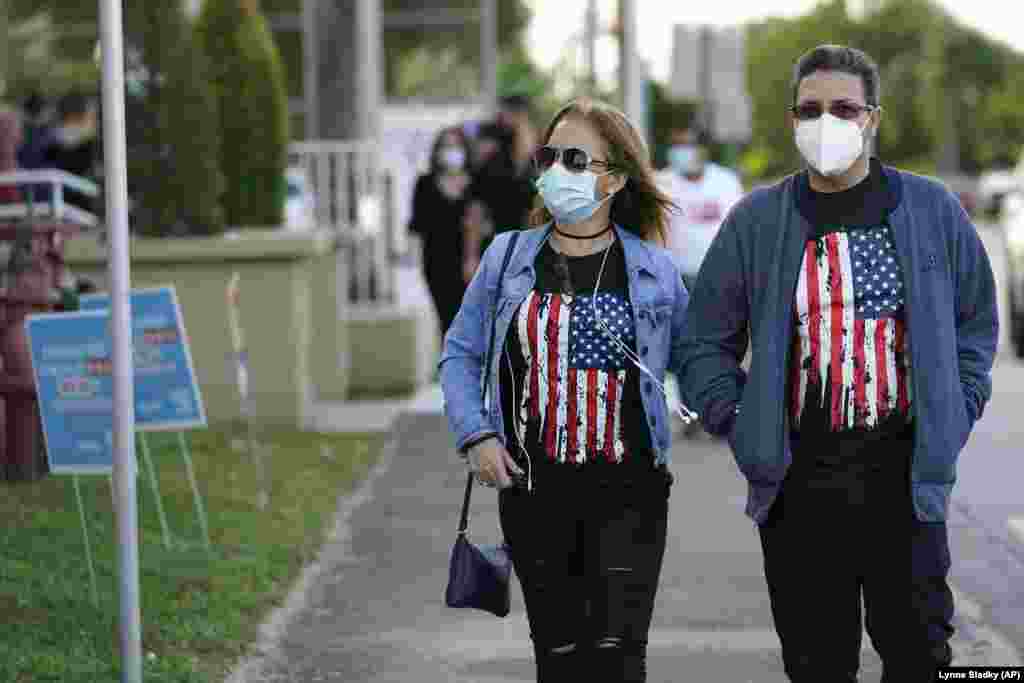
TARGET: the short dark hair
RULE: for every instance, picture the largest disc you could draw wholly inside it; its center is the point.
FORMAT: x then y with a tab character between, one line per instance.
34	104
73	104
699	134
514	102
840	58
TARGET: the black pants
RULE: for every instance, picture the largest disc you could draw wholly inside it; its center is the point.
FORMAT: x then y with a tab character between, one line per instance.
446	291
843	531
587	548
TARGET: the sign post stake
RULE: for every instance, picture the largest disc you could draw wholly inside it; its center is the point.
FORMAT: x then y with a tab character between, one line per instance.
155	485
242	376
200	511
88	546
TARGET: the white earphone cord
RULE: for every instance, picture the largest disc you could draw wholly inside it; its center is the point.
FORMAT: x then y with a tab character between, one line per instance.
684	413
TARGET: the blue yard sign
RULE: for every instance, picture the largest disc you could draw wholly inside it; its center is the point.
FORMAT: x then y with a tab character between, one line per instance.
72	365
167	395
71	362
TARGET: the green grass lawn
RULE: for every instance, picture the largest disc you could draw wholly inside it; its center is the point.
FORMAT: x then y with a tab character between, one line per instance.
199	610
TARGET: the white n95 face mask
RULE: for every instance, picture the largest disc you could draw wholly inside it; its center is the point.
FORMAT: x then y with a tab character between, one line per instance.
830	144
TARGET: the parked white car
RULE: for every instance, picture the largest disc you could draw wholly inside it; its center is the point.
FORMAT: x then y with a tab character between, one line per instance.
993	187
1013	235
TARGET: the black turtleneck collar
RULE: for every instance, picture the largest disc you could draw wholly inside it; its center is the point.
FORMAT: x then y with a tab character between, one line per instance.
866	204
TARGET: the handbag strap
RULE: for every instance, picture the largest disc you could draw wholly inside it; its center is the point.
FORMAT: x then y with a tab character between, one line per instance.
464	519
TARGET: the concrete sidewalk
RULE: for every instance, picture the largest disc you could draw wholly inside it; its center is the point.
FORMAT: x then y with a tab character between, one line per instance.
372	610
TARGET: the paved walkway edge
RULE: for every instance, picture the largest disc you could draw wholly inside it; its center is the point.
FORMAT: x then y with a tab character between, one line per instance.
337	542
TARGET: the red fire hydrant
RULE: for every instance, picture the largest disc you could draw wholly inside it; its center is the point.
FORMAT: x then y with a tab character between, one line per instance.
33	279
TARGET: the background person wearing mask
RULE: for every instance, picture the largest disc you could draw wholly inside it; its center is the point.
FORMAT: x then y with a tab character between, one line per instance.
75	147
704	193
38	133
438	206
499	198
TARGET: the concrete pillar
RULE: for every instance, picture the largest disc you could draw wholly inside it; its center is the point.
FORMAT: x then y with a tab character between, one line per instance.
590	30
489	54
629	64
349	66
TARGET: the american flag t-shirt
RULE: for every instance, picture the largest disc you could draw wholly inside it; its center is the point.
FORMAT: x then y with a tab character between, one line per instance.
575	374
850	351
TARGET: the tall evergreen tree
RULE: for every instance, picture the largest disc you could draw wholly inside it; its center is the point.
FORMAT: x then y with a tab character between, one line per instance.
252	103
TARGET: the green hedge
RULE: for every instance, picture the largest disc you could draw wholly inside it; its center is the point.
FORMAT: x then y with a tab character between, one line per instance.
249	83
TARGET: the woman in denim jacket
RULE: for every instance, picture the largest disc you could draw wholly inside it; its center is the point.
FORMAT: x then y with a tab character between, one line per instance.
576	435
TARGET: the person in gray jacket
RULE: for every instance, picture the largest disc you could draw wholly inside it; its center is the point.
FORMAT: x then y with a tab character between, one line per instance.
869	306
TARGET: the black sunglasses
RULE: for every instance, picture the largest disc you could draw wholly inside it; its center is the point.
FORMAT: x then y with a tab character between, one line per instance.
574	159
848	111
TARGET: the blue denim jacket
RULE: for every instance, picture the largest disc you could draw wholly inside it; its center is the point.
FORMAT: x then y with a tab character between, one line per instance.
659	302
746	287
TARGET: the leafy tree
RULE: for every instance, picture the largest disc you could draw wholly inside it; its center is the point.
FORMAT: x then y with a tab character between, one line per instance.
946	90
897	37
1000	133
252	104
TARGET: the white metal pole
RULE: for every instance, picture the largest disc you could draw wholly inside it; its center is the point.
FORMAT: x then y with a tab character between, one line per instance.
489	54
116	176
590	45
632	95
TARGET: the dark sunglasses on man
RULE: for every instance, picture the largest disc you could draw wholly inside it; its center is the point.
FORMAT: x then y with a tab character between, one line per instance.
842	109
574	159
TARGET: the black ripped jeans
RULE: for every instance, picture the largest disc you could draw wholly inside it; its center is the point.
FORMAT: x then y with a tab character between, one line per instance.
587	548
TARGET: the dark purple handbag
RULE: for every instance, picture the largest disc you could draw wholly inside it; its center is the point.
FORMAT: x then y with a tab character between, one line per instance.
478	576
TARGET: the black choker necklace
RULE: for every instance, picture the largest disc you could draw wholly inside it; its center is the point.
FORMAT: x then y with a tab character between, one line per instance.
583	237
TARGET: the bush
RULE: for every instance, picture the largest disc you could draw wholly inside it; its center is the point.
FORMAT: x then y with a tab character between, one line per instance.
175	163
252	102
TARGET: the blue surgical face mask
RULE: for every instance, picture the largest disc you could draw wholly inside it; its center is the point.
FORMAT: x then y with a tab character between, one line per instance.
684	158
570	197
452	158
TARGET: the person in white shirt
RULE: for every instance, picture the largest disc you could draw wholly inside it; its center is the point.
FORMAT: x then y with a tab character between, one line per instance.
704	193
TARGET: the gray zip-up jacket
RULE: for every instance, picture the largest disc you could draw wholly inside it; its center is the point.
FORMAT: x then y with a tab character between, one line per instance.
747	285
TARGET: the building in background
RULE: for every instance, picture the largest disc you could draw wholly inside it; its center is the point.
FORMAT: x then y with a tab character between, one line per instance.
709	66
